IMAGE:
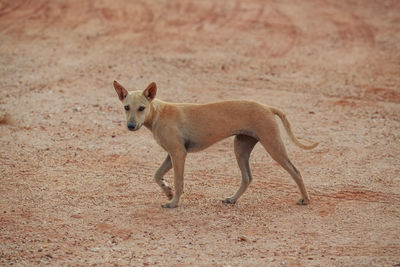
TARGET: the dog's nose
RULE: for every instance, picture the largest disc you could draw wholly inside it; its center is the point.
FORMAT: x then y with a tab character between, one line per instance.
131	126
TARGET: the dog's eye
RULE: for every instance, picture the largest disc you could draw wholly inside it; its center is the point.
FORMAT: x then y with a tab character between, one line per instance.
126	107
141	108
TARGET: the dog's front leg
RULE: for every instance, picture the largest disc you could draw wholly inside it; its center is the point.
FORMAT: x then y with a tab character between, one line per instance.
178	163
164	168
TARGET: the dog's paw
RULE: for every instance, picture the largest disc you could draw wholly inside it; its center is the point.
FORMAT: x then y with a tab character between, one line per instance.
229	201
169	193
169	205
303	202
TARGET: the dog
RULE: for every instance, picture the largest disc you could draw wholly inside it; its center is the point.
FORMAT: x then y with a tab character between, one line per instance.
183	128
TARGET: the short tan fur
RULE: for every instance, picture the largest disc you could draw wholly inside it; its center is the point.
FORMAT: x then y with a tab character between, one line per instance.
185	128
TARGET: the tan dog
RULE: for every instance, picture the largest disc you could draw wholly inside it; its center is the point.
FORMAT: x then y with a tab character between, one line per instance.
183	128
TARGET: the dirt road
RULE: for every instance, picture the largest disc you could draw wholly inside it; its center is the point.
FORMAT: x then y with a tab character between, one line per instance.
77	186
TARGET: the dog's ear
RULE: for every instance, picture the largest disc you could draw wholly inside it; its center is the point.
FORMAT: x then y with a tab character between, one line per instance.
121	91
150	91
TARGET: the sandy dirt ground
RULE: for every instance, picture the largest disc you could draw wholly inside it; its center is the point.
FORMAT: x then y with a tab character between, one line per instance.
77	187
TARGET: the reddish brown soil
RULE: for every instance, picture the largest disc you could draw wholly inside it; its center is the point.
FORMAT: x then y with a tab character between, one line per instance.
77	186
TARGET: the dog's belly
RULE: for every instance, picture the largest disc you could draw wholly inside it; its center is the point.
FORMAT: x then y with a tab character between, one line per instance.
193	144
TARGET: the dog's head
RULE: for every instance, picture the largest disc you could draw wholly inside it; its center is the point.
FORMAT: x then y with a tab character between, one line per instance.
136	104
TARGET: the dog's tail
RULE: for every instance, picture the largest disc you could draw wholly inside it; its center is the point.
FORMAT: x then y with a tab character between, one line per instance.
288	129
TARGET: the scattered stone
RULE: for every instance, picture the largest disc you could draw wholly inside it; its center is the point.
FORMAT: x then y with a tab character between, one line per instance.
243	239
4	117
95	249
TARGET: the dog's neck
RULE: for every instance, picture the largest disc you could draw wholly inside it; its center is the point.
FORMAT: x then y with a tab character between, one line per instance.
148	122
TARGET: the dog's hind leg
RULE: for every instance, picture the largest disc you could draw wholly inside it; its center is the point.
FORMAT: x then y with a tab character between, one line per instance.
158	176
275	147
243	145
